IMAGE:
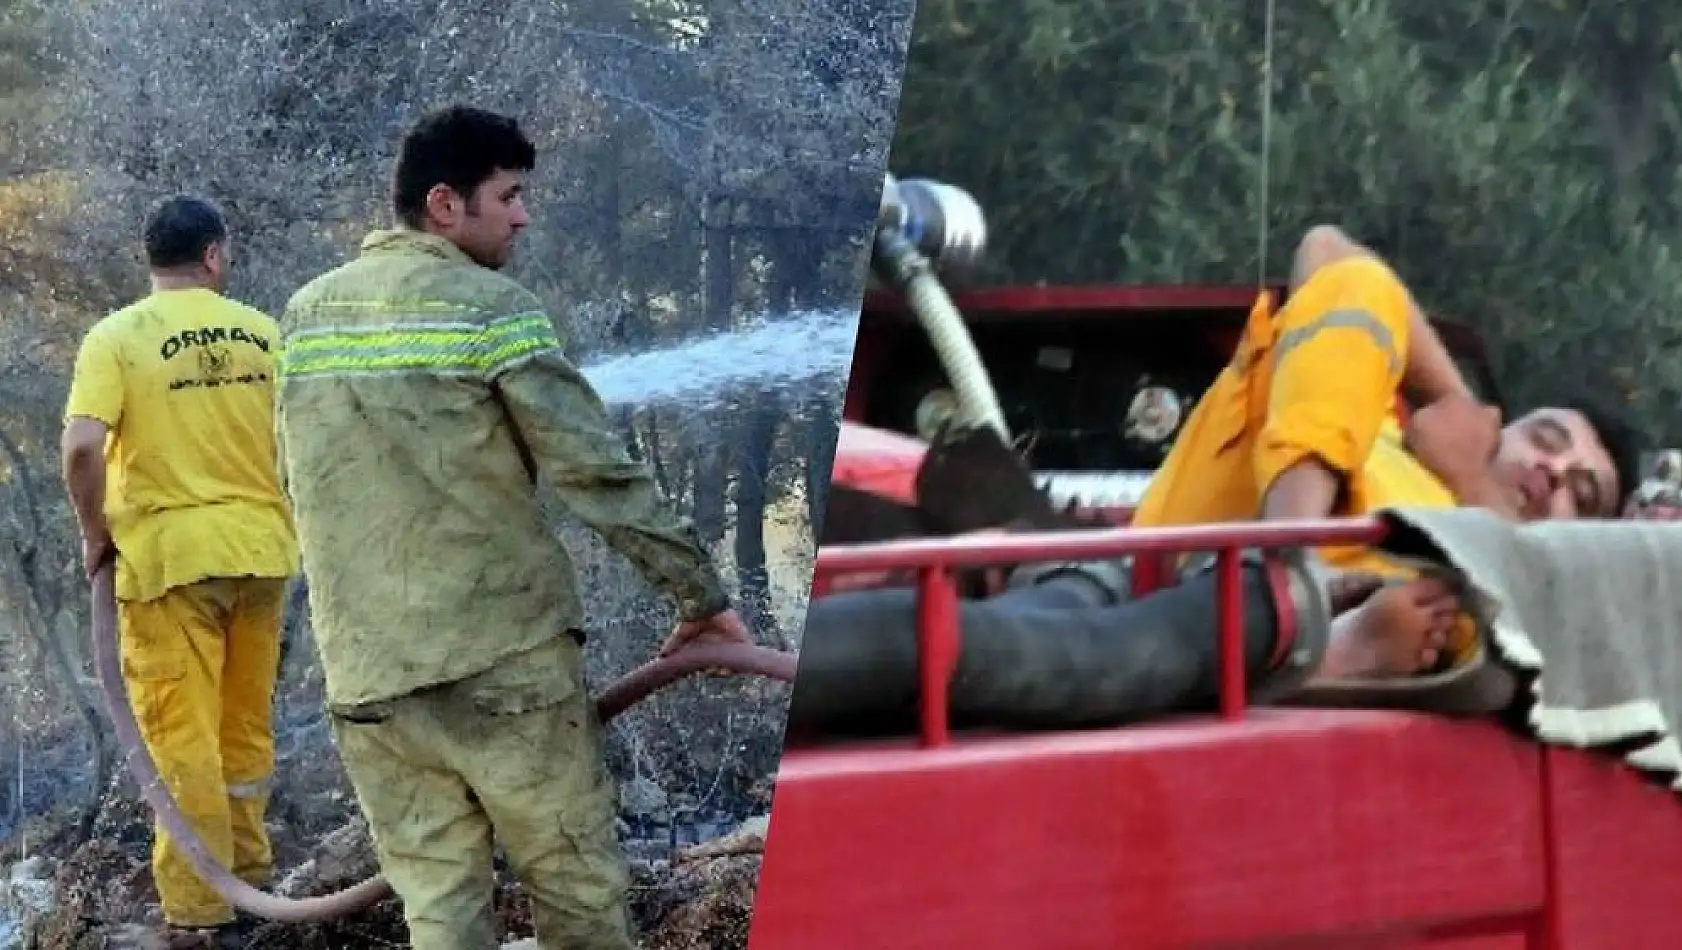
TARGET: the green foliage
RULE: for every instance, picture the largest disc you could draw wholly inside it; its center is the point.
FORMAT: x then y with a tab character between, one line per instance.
1517	162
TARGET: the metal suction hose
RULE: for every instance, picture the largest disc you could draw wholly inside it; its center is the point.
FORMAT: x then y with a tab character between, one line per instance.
634	687
947	222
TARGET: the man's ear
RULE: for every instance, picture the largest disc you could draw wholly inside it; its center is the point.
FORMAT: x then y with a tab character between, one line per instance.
444	204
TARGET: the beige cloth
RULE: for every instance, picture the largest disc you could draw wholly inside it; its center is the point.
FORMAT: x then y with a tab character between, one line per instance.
1584	618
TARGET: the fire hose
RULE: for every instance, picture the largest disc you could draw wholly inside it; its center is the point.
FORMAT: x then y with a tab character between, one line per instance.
921	216
1069	651
922	212
629	690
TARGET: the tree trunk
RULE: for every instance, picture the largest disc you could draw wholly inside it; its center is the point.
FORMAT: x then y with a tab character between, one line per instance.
46	600
755	443
819	438
721	267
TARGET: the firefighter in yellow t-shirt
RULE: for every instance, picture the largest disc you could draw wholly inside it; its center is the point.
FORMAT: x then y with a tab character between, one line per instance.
1302	424
170	461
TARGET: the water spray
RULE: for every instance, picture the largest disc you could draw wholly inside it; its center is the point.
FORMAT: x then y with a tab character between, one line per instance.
925	226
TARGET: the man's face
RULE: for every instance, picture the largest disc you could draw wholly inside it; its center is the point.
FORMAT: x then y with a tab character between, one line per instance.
1555	463
484	224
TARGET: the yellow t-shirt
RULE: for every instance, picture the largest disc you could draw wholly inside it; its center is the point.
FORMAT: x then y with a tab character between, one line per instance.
1391	478
1319	380
186	381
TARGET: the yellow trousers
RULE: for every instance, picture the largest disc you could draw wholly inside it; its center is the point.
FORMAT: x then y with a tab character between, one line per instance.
514	752
200	663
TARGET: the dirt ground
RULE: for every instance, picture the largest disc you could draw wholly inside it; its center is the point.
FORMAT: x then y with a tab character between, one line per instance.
697	897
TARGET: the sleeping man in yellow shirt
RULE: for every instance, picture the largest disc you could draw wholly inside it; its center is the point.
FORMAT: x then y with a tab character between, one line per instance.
1302	424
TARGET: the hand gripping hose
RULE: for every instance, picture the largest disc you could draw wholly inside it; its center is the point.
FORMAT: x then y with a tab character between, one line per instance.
634	687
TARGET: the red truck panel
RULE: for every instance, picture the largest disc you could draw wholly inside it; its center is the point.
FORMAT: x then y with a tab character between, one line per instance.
878	461
1285	830
1617	844
1291	829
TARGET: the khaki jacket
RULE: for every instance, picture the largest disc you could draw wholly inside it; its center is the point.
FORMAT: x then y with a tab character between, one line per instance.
421	398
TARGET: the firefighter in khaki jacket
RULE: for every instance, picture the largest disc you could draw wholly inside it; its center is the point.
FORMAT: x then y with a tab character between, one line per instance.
422	396
181	386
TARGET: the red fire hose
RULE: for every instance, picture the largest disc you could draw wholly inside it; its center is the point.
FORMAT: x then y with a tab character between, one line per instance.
631	689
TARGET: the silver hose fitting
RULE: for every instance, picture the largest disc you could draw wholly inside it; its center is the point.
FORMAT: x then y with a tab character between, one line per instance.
943	221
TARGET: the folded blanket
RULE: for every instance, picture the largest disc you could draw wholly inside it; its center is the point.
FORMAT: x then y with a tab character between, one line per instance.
1588	612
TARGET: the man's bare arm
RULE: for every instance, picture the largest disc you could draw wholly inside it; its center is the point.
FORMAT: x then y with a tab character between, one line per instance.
82	448
1453	437
1431	372
1430	377
1486	493
1309	489
1456	439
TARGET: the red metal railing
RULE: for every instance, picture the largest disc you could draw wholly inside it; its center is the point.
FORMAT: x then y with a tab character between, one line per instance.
934	559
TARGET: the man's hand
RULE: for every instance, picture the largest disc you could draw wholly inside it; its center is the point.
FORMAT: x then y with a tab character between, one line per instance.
97	549
1456	437
723	627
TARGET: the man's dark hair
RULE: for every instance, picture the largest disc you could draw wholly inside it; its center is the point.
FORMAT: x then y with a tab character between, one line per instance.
180	230
1623	440
461	147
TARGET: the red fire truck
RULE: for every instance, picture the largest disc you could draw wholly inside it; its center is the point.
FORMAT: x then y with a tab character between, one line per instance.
1252	828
